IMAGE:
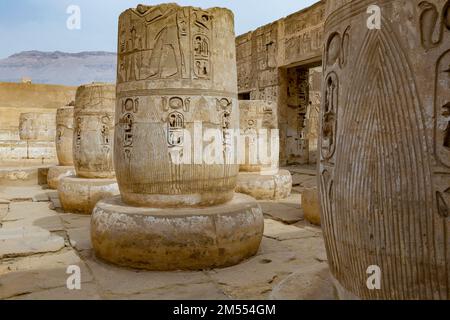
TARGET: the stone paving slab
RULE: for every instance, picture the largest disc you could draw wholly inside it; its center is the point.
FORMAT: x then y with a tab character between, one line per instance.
80	238
122	281
75	221
19	193
279	231
292	255
282	212
88	291
36	214
27	241
310	283
196	291
38	272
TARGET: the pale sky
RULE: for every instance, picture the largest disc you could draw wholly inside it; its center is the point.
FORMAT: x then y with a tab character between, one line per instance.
41	24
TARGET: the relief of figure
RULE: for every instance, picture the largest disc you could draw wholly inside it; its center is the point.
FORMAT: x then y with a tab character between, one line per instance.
201	46
167	58
128	120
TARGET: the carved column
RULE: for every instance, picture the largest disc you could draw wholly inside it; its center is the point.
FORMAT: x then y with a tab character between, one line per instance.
94	130
38	130
64	135
385	148
176	79
176	103
37	126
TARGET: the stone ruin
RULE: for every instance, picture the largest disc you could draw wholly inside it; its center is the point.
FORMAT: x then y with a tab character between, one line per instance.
93	130
259	174
37	130
175	213
64	145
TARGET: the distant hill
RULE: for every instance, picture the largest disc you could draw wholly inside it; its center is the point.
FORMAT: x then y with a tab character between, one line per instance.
57	67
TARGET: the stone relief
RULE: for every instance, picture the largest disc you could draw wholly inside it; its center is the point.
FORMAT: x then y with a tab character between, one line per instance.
432	23
155	43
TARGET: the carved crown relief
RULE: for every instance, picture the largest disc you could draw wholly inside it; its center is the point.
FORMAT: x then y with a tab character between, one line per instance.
164	42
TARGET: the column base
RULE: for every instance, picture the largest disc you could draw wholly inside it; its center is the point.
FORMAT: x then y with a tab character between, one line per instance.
177	238
56	173
80	195
265	186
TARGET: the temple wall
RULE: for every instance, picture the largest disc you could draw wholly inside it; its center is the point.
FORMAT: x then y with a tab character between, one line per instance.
17	98
271	61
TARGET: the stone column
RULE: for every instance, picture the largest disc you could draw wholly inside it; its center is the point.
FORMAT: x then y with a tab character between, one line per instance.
174	73
38	130
64	147
176	101
92	150
259	174
385	147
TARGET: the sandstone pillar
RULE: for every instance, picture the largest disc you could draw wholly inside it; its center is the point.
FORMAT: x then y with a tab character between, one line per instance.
259	174
64	146
385	147
38	130
176	96
93	128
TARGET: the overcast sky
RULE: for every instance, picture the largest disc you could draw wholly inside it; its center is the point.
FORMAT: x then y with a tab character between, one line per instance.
41	24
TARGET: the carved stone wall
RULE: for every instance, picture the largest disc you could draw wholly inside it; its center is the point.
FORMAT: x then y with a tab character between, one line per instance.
94	131
64	135
384	149
267	60
177	79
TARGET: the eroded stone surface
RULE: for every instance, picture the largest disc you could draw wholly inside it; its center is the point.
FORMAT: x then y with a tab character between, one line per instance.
94	130
64	135
43	276
27	240
311	205
56	173
38	272
80	195
37	126
265	186
172	239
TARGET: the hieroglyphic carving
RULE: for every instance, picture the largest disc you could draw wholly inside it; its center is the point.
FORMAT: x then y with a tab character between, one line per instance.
78	129
129	108
155	43
176	103
224	106
175	129
329	117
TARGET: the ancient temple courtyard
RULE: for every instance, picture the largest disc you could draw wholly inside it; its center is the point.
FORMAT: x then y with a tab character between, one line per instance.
38	242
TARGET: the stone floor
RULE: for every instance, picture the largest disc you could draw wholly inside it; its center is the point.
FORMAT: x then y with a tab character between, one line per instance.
38	242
